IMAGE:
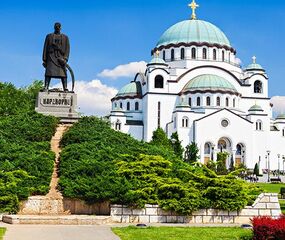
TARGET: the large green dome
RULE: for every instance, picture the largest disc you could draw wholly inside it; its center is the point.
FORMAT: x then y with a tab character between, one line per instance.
197	31
132	89
209	82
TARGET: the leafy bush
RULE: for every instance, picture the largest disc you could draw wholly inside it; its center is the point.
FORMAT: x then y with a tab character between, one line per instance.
99	164
268	228
26	161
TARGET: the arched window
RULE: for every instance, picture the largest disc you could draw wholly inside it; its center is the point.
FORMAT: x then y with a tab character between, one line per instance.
258	87
163	55
185	122
172	55
116	105
283	132
258	125
227	102
198	101
193	53
121	105
158	81
208	101
238	151
182	53
229	56
218	101
207	149
128	106
234	102
190	102
215	54
204	53
137	106
223	56
118	125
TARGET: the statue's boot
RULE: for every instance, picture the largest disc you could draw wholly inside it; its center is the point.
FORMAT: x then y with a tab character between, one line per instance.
64	84
47	82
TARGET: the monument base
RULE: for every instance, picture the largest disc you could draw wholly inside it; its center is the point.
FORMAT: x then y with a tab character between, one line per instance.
59	104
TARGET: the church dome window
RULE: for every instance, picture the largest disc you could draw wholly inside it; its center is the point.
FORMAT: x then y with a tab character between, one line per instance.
215	54
204	53
158	81
163	55
182	53
234	102
172	55
128	106
190	101
198	101
227	102
208	101
218	101
137	106
223	55
283	132
258	87
185	122
193	53
121	105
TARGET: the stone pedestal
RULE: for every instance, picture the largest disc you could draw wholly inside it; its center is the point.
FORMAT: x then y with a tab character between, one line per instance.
59	104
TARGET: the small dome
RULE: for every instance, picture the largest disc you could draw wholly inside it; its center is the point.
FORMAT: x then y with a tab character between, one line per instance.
254	66
157	60
281	116
255	108
132	89
190	31
183	104
208	82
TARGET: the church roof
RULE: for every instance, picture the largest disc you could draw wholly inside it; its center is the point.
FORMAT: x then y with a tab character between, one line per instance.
254	66
157	60
132	89
281	116
190	31
255	108
209	82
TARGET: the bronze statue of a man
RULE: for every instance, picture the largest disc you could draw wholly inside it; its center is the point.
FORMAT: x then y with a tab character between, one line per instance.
55	57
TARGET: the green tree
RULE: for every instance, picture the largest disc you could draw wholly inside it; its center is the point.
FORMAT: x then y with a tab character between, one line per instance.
256	170
191	153
159	138
221	163
176	145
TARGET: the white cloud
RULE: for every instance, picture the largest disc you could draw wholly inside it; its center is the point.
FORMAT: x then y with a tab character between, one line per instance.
93	98
125	70
278	104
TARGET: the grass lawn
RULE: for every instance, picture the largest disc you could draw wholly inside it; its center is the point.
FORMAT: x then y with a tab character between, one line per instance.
188	233
271	187
2	231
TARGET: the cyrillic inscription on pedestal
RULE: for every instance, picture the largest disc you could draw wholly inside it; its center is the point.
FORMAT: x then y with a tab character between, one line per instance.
58	104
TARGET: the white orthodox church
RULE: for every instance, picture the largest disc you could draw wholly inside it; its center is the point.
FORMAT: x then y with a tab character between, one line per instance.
195	86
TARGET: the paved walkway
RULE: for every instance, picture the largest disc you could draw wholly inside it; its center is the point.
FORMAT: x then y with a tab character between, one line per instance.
58	232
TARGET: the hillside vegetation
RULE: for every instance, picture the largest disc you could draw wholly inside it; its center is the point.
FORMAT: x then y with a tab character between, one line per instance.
99	164
26	162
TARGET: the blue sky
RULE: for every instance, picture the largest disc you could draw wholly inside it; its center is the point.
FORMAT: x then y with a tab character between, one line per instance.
105	34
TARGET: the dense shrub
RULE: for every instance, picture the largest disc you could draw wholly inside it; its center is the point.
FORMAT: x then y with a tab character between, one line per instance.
100	164
265	228
26	161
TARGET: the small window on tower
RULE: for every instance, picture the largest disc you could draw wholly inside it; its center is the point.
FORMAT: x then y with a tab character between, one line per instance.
163	54
258	87
215	54
198	101
208	101
223	56
172	55
227	102
137	106
128	106
218	101
204	53
193	53
190	102
158	81
182	53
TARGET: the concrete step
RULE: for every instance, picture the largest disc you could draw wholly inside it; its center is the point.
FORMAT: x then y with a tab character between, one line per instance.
57	220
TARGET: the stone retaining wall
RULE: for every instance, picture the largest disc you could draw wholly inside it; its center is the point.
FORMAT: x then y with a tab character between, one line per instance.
266	204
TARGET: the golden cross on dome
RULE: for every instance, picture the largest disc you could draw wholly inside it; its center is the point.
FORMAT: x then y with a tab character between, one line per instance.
194	6
254	59
157	53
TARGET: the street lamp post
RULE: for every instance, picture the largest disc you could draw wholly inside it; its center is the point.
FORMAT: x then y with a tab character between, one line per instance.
278	165
283	157
268	154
